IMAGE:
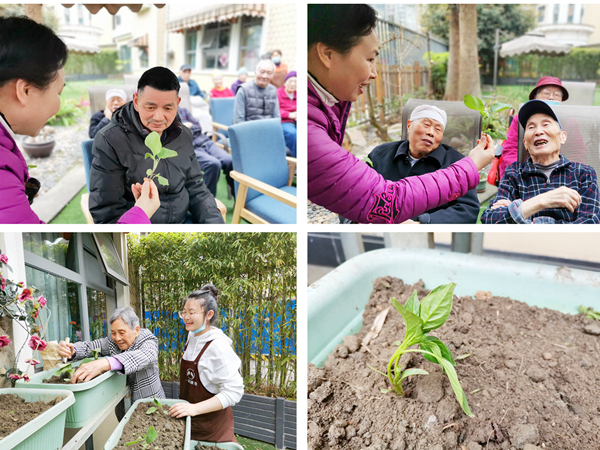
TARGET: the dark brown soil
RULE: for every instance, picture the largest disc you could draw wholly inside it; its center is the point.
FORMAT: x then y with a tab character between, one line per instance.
200	446
63	378
531	379
15	412
171	432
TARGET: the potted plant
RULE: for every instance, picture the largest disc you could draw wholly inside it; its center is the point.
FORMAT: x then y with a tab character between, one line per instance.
151	416
37	430
40	146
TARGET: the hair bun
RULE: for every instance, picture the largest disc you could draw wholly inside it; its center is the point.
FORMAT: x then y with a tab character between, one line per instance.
210	288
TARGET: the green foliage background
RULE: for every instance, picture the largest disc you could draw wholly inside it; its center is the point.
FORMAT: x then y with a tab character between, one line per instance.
256	277
104	62
578	64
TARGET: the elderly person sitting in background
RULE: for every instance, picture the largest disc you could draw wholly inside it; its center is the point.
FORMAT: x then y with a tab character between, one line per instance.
547	188
115	98
424	153
131	350
286	95
219	91
241	79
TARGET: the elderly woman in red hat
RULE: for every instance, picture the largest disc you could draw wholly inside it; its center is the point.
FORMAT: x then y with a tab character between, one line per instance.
548	89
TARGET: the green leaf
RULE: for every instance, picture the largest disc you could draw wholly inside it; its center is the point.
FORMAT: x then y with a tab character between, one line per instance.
414	325
436	307
385	391
473	103
157	403
497	107
148	155
151	436
86	360
96	352
151	410
378	371
162	180
442	347
140	439
166	153
430	347
497	134
148	172
152	141
409	372
456	387
412	304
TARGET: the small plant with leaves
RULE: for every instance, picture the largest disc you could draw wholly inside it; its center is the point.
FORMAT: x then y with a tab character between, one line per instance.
157	406
145	439
420	318
477	104
68	370
589	312
157	153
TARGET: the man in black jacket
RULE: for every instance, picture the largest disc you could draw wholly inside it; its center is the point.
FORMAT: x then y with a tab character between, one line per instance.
423	153
119	158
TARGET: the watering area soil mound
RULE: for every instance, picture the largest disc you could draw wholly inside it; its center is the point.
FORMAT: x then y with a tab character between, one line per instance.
171	432
16	412
531	379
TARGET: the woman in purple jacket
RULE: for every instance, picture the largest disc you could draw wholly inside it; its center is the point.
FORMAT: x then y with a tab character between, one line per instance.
342	47
32	77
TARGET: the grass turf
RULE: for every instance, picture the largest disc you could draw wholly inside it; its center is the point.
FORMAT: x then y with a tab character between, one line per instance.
251	444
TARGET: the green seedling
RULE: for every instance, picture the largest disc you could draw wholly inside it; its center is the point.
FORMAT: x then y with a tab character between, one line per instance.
478	105
589	312
158	152
156	406
69	369
420	318
145	439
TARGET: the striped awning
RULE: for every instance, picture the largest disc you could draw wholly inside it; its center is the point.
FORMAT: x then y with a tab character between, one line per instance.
112	8
141	41
222	13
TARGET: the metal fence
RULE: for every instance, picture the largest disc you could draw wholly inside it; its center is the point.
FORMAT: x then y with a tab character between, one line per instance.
401	68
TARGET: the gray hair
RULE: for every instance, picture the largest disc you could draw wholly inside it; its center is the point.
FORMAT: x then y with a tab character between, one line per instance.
127	315
262	61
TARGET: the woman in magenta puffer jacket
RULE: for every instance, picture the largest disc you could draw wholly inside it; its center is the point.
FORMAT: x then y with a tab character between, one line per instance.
32	78
341	62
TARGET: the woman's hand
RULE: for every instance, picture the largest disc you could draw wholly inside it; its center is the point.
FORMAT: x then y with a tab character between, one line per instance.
146	196
179	410
65	349
91	370
483	154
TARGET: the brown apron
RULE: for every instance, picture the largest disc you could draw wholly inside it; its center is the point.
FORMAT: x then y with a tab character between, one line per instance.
216	426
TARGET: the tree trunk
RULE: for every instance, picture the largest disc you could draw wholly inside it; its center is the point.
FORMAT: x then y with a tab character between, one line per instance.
469	82
451	92
381	132
34	12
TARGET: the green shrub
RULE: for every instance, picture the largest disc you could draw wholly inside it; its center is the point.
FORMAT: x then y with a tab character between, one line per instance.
67	115
104	62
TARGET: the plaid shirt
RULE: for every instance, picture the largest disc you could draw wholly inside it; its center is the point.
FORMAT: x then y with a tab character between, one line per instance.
140	362
199	138
523	181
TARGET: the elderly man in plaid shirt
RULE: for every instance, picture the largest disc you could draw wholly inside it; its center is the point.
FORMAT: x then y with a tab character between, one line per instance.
131	351
547	188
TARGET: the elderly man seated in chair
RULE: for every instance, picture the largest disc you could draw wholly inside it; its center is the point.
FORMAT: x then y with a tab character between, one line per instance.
423	153
547	188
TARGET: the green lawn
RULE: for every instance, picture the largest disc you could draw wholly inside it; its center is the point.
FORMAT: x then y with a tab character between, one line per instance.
72	212
251	444
482	208
75	90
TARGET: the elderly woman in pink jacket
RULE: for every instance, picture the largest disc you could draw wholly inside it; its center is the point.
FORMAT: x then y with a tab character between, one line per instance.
342	47
32	77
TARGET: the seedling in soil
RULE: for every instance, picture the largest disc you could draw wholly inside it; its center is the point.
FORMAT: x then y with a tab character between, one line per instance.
145	439
157	406
420	318
70	370
152	141
589	312
478	105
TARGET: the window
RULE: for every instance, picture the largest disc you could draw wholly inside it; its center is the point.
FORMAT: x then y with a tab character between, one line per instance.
250	42
125	58
215	46
116	21
555	18
110	259
571	13
97	314
191	41
67	16
143	57
541	13
60	248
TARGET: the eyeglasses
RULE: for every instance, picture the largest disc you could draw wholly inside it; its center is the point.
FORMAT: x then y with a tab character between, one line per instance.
547	93
182	314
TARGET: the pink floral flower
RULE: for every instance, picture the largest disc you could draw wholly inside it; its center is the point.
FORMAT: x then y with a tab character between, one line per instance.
32	361
2	283
4	258
42	301
4	341
21	284
25	377
14	376
35	343
26	295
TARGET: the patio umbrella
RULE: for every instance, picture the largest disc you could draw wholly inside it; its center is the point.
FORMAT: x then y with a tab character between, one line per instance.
533	43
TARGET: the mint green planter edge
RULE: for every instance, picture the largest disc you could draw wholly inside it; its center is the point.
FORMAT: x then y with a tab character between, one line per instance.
88	396
46	430
114	438
337	301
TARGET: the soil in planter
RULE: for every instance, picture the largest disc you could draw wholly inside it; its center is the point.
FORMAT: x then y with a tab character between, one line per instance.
62	378
531	376
16	412
171	432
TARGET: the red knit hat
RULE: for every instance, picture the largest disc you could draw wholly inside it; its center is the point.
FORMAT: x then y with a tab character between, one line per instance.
549	81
